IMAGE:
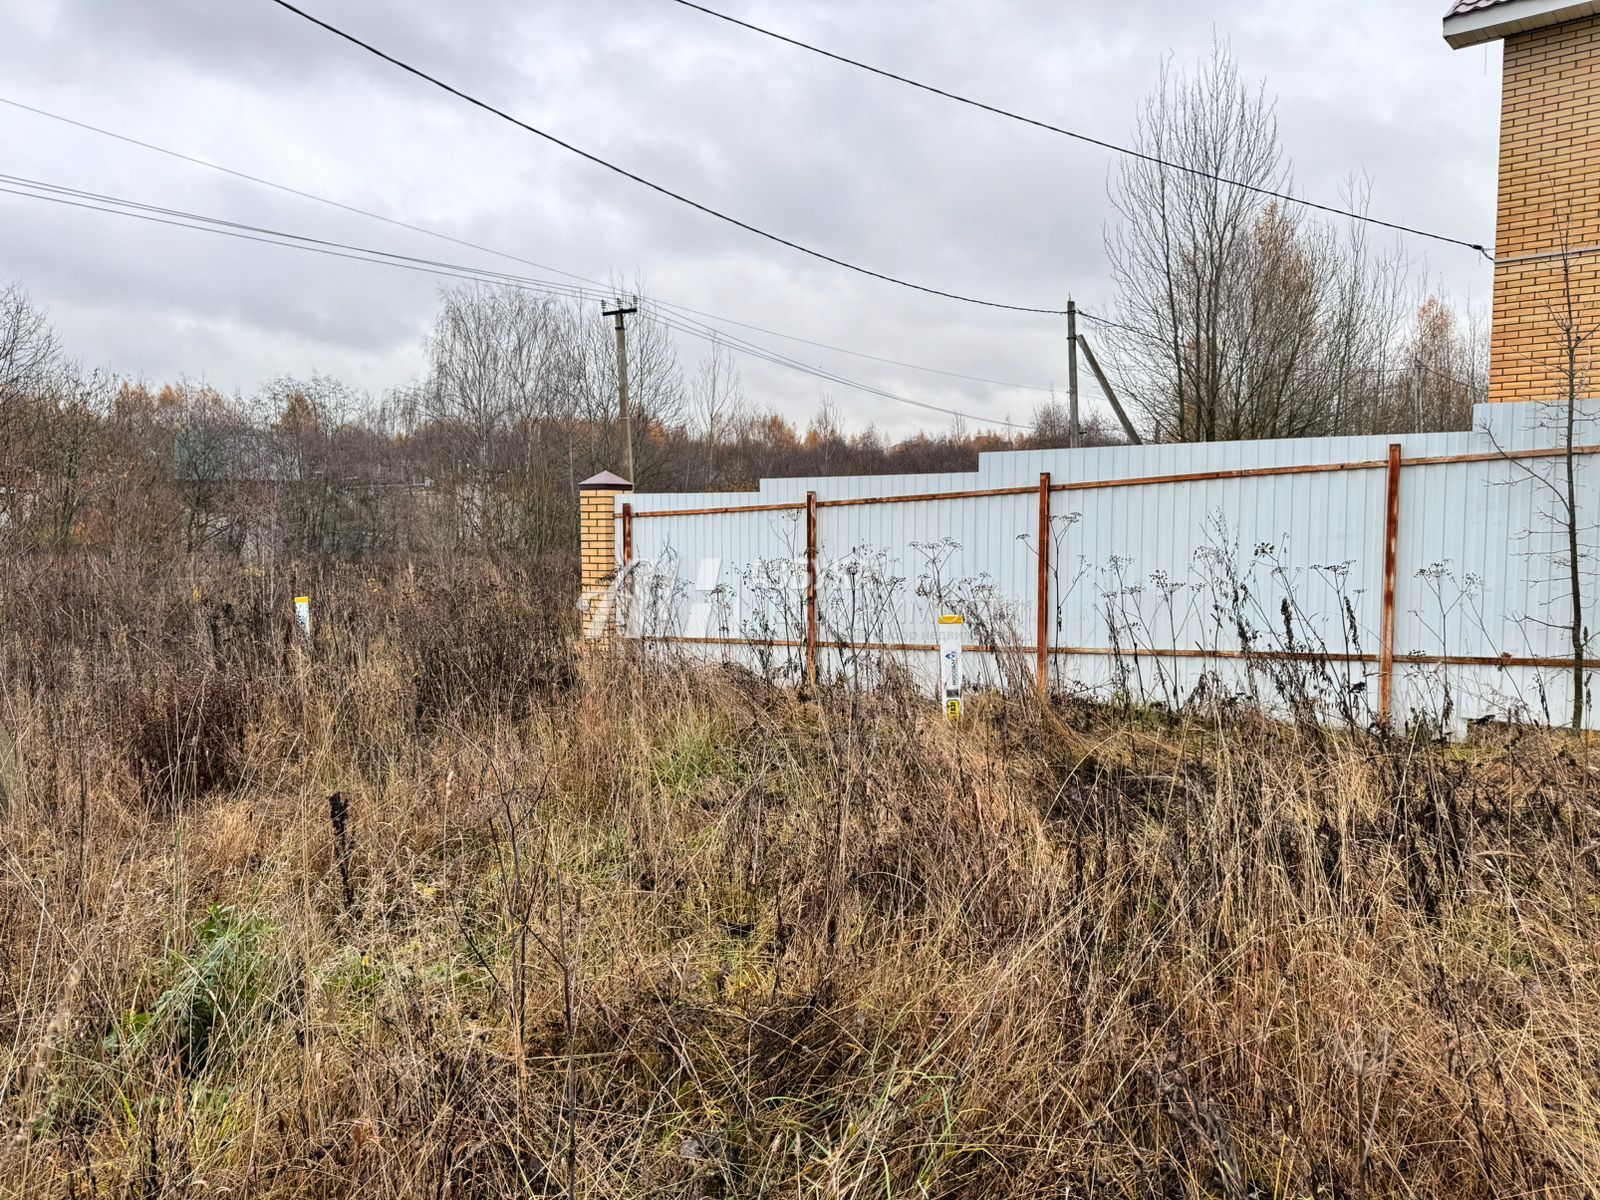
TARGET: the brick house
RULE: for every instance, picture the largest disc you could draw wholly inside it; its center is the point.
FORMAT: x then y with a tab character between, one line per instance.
1549	215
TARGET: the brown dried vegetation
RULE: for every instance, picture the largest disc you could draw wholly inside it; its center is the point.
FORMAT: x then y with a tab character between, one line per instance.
430	907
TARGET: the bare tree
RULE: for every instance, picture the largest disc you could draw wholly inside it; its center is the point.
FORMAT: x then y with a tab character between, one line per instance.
1576	332
310	423
1242	317
1177	256
29	363
499	361
717	404
213	461
29	347
1569	368
67	447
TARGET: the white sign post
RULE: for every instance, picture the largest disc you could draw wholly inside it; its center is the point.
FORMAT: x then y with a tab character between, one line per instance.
952	635
302	613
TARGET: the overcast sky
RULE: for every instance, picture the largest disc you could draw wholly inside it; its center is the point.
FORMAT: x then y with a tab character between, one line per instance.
823	154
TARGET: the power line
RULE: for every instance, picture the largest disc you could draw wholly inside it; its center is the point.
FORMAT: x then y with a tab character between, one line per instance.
471	245
223	224
268	238
179	219
893	362
1145	334
655	187
766	354
1143	156
1089	316
292	191
752	351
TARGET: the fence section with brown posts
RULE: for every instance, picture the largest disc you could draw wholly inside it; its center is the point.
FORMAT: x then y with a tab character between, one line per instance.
1423	577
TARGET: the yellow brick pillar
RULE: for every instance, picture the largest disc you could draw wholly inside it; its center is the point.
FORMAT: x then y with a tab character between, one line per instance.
598	551
1549	173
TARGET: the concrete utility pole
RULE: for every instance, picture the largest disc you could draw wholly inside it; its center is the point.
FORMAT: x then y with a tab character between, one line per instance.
1074	426
619	312
1111	395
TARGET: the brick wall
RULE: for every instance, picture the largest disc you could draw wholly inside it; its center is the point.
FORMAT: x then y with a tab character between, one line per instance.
1549	199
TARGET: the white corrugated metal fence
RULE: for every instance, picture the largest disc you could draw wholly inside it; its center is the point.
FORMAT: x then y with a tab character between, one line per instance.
1257	568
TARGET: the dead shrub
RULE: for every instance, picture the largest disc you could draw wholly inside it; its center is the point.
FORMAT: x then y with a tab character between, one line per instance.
478	650
185	736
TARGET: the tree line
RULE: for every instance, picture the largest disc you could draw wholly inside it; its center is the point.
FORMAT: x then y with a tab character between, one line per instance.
516	407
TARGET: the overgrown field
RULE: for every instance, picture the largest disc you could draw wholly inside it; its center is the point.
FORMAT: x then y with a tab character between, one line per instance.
434	908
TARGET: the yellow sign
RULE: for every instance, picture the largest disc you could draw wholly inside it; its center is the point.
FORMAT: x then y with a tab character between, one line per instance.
952	710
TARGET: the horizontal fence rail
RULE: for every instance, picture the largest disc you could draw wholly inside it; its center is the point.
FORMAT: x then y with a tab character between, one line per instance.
1102	484
1305	656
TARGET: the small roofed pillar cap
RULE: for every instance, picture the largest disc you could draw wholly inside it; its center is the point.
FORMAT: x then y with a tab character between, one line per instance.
605	482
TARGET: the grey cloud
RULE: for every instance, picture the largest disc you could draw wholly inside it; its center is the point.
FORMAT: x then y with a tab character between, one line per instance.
255	42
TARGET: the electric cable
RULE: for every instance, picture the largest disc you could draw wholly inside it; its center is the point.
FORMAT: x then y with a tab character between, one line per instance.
176	218
653	186
1129	151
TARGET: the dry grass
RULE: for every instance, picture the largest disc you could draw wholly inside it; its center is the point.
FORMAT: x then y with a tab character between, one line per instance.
603	930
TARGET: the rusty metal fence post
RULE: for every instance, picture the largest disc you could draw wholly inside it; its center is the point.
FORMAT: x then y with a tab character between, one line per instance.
1042	646
1391	555
811	589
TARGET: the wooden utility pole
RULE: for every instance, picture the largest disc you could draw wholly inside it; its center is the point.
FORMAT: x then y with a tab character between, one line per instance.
1074	425
620	312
